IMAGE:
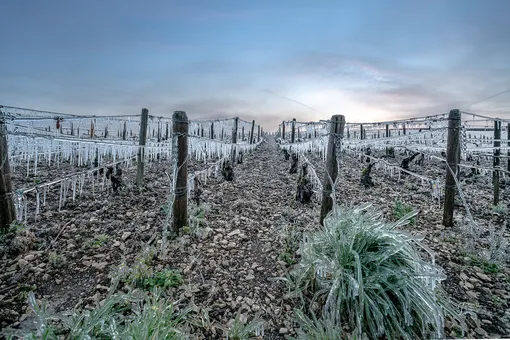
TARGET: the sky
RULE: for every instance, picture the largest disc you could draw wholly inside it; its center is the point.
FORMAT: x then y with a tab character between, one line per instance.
370	60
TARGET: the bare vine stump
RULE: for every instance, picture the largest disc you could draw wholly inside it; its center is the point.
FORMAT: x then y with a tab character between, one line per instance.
197	191
366	179
294	165
286	154
305	188
227	171
405	162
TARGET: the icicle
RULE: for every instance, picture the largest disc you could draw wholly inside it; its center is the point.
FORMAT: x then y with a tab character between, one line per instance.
37	200
19	205
60	199
74	187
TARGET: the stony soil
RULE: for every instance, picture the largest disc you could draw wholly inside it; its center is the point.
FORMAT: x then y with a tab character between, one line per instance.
231	260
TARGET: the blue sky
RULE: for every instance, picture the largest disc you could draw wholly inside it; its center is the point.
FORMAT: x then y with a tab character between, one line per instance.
369	60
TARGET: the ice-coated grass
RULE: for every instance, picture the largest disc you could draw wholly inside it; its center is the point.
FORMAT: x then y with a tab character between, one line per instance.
361	274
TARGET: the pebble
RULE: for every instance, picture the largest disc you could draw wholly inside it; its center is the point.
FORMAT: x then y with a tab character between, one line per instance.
30	257
483	277
125	235
283	330
22	263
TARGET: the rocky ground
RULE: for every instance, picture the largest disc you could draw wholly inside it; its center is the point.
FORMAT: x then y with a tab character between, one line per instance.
231	256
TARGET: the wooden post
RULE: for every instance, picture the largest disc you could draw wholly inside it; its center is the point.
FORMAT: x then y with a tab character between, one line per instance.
452	154
496	162
91	128
387	135
252	130
212	131
293	131
124	131
141	150
7	211
258	134
336	127
404	128
234	141
166	132
180	206
201	131
106	132
222	132
72	129
508	152
361	132
283	130
159	131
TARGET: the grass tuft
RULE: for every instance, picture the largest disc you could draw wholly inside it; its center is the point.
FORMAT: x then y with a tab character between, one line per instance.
365	275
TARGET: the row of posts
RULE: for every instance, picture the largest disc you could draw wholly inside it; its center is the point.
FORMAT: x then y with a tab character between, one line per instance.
180	131
363	132
453	154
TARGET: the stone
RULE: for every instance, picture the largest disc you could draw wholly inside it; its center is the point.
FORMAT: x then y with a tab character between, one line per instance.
480	331
483	277
233	233
283	330
125	235
22	263
100	265
472	294
29	257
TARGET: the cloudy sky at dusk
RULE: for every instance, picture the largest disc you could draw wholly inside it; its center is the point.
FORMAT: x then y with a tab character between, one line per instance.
264	60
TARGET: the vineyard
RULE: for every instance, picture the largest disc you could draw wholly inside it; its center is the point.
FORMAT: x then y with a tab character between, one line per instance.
133	226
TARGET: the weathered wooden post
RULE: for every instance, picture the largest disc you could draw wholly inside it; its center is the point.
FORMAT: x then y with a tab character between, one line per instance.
180	206
361	132
91	128
258	134
72	129
7	211
106	132
124	131
222	133
212	131
336	130
166	132
242	134
252	130
496	162
283	130
293	131
201	131
234	141
404	128
141	150
452	154
159	131
508	143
